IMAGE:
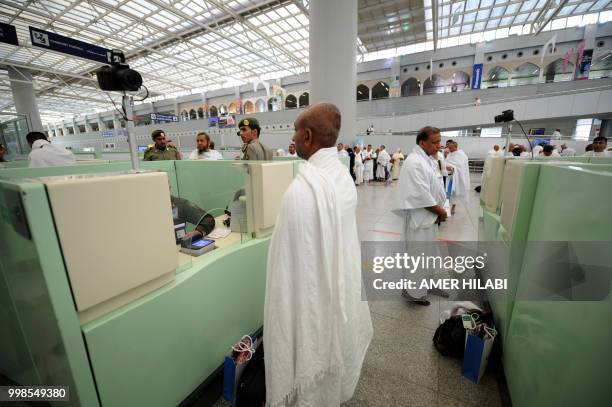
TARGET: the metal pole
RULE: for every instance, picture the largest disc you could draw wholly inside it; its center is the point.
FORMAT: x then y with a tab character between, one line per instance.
508	138
126	101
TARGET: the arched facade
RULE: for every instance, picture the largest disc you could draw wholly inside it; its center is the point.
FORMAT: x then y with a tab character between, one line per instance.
363	92
496	78
184	115
193	115
200	113
459	81
232	108
411	87
222	110
249	107
213	111
304	99
525	74
380	90
436	84
559	71
272	105
260	106
601	66
291	102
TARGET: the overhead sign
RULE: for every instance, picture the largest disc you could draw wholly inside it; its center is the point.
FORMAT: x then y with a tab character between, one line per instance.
59	43
8	34
477	76
164	118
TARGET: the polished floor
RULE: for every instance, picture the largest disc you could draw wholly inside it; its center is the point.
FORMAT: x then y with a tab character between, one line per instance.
402	367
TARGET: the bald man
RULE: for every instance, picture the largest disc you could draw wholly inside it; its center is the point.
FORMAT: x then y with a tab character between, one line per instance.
317	329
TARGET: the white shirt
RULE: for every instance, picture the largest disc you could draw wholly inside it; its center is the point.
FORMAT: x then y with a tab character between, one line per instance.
568	152
461	174
292	155
45	154
206	155
556	135
493	153
342	153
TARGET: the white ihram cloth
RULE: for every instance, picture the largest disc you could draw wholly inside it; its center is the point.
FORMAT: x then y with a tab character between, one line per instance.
420	186
383	161
398	157
342	153
316	328
458	160
358	169
368	165
205	155
45	154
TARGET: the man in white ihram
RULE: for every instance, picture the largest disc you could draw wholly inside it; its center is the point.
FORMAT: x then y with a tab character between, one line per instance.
316	328
457	162
383	161
422	196
45	154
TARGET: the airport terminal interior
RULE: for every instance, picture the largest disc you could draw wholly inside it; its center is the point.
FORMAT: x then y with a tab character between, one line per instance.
185	183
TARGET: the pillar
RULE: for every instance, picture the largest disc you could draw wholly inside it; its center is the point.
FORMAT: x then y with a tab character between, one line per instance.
24	96
605	129
87	125
75	127
394	78
101	125
332	55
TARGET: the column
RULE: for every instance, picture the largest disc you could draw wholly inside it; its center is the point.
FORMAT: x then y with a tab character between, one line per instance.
605	129
101	125
333	64
75	126
87	125
394	78
24	96
116	123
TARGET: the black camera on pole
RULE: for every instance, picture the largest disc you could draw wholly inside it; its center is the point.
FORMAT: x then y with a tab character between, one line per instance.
118	76
506	116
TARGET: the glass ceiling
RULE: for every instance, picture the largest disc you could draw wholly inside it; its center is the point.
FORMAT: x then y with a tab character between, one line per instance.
189	46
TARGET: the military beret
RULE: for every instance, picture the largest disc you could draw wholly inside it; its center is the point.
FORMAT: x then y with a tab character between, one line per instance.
249	122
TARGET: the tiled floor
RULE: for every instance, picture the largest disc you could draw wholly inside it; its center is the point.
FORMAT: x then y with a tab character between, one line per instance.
402	367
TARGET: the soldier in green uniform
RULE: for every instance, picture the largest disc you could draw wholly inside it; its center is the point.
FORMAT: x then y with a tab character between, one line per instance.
185	211
160	150
252	149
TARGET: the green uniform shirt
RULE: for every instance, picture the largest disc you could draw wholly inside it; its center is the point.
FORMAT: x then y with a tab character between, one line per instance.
154	154
256	151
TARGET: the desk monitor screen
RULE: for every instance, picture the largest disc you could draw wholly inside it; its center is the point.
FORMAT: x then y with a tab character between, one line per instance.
142	149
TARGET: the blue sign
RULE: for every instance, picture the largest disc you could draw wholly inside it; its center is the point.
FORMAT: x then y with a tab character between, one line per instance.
59	43
108	133
164	118
477	76
8	34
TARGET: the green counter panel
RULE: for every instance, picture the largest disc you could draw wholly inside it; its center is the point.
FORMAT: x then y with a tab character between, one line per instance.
157	350
40	340
558	352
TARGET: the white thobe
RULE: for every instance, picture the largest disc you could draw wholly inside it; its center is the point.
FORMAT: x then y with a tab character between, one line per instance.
45	154
358	169
342	153
397	166
420	187
458	160
317	328
556	135
442	164
368	165
493	153
205	155
292	155
383	161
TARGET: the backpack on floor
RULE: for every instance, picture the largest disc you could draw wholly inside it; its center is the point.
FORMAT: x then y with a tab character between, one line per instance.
251	391
449	338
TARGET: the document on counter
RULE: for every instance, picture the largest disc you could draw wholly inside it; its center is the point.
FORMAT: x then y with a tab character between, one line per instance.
219	233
